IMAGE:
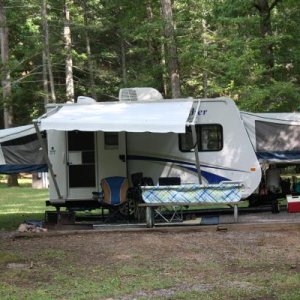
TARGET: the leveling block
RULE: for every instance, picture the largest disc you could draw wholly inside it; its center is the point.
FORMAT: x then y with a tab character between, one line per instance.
293	203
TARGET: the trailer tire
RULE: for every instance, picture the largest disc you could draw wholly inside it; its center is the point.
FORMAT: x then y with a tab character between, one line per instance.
275	206
127	209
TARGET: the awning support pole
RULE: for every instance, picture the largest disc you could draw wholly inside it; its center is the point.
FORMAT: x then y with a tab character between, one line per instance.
195	142
45	154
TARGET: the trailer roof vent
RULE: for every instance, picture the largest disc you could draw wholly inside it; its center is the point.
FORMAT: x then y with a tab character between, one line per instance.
139	94
85	100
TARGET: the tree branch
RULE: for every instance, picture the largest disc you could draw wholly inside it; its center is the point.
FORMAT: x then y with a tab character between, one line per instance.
274	4
256	6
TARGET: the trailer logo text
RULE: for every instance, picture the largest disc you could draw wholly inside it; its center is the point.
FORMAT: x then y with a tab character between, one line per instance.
202	112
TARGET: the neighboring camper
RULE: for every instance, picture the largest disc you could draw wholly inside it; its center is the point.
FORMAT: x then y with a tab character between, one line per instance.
89	141
275	138
20	151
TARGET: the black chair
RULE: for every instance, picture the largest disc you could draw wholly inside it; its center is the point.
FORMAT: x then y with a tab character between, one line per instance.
169	181
135	194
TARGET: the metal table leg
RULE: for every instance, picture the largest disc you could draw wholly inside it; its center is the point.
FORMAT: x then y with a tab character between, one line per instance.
235	213
149	217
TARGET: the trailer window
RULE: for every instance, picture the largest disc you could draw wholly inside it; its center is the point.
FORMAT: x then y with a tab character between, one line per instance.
111	140
209	137
80	141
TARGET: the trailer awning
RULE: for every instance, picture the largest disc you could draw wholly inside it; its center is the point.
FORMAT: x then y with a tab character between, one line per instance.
160	117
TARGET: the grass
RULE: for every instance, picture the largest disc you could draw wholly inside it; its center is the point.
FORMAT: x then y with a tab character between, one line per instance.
68	281
58	275
18	204
164	266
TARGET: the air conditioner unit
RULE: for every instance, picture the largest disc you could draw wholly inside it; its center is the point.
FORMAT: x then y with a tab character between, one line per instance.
139	94
85	100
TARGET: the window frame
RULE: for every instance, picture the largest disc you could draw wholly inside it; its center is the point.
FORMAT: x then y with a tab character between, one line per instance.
111	140
199	133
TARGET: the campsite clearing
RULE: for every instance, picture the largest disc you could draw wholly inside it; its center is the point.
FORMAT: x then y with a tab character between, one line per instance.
158	264
257	261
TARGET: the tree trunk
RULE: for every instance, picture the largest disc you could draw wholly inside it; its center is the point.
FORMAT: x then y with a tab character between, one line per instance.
6	81
47	63
123	60
150	18
45	80
156	53
89	53
12	180
265	8
68	49
171	48
165	71
205	43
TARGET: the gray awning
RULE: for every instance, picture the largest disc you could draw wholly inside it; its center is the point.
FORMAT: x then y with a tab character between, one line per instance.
160	117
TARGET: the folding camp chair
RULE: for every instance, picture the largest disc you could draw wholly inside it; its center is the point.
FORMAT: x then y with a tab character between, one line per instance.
114	190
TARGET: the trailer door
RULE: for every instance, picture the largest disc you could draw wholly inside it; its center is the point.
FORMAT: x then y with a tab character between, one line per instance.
81	164
111	154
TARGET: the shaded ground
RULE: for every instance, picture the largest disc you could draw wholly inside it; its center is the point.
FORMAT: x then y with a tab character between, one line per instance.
255	263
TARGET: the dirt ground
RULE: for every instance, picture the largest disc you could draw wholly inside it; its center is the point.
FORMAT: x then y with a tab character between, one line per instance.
240	262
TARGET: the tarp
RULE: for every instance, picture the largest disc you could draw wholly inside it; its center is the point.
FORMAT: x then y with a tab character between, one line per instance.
274	136
160	117
20	151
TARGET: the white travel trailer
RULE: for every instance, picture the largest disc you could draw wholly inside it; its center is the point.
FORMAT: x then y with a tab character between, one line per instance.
198	140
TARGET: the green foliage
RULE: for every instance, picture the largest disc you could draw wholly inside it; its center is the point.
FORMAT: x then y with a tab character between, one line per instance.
277	96
220	45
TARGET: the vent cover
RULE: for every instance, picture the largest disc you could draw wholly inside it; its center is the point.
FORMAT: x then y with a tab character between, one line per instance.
139	94
128	95
85	100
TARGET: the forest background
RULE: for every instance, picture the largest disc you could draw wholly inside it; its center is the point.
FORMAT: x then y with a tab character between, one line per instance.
55	50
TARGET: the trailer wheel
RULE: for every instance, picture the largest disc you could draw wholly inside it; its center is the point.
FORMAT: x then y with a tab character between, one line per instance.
275	206
127	209
140	214
149	217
